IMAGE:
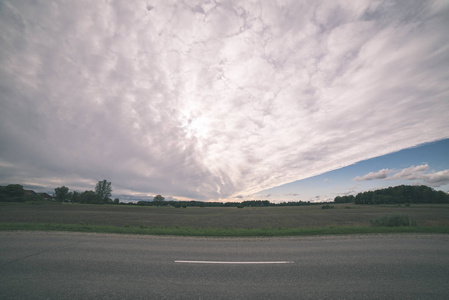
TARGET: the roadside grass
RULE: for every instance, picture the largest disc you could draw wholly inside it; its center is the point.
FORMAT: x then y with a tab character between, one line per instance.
223	232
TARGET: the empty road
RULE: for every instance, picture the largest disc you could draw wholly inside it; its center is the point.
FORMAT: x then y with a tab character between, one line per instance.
56	265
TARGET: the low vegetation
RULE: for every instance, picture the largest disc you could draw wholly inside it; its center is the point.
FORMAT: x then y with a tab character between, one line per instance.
327	206
393	221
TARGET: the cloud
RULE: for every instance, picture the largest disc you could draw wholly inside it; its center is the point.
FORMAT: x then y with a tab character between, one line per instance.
382	174
294	194
209	100
437	179
419	173
411	173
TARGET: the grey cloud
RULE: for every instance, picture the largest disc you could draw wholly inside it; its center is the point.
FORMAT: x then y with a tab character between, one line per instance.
294	194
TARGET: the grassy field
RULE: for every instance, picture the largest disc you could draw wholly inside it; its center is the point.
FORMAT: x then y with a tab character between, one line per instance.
219	221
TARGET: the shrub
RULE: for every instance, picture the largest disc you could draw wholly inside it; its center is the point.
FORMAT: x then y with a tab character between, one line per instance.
393	221
327	206
240	206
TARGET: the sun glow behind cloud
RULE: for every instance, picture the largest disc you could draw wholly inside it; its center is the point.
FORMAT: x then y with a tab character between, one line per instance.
211	100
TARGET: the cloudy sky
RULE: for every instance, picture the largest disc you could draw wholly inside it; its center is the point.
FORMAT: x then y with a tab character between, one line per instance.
215	100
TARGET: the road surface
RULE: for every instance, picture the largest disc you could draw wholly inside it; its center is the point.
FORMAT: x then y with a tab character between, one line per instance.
56	265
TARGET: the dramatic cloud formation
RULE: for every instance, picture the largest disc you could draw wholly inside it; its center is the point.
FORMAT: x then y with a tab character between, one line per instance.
418	173
214	99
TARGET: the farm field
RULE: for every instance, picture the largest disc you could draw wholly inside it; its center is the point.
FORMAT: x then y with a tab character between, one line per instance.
220	217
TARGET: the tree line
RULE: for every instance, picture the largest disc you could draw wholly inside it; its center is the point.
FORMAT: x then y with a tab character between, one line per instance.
101	195
193	203
16	193
401	194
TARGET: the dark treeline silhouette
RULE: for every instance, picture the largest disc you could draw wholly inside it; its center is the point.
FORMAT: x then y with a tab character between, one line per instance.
401	194
344	199
16	193
193	203
101	195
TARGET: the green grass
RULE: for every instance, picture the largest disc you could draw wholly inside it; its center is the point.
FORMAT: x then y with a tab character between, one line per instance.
223	232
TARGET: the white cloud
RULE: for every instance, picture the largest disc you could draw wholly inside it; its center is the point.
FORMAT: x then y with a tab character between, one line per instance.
382	174
411	173
212	100
437	179
420	174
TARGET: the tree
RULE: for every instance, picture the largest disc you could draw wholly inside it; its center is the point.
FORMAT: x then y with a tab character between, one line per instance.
344	199
158	200
61	193
402	194
13	193
103	190
89	197
75	197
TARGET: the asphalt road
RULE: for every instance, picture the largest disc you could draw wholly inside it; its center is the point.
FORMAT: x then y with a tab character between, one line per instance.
51	265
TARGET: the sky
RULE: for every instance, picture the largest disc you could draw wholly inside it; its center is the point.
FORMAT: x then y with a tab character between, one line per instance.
220	100
426	164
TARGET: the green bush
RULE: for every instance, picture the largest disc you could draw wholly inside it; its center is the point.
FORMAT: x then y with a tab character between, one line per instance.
393	221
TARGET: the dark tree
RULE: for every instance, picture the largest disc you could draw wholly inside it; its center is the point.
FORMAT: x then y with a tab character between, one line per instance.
344	199
75	197
402	194
89	197
103	190
158	200
61	193
12	192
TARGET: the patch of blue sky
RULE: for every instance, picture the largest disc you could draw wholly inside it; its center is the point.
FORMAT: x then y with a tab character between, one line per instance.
349	180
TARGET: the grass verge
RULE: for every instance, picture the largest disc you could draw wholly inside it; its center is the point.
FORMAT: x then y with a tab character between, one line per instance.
223	232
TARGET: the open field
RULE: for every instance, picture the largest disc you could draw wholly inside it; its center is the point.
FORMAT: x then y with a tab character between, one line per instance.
219	217
248	219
